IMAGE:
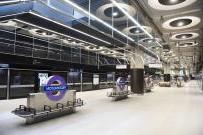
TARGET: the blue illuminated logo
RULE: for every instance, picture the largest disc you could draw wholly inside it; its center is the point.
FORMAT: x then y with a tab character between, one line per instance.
55	88
55	91
121	83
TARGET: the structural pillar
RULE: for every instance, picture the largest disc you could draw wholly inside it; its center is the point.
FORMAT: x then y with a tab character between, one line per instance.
137	72
167	75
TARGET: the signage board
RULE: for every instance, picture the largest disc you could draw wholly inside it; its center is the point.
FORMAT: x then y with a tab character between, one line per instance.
121	66
95	79
157	65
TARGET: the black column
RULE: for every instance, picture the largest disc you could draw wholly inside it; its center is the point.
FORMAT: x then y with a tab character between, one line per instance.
137	80
167	77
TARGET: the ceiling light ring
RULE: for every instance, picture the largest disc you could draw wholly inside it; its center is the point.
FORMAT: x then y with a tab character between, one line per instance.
8	23
127	30
193	43
195	21
72	43
107	52
101	11
157	5
194	35
94	48
143	40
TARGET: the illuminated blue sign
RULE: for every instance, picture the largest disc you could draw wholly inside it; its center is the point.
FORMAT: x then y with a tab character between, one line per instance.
121	83
55	88
55	91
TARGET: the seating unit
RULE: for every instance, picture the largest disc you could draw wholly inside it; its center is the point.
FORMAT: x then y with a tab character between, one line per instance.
40	107
118	95
164	84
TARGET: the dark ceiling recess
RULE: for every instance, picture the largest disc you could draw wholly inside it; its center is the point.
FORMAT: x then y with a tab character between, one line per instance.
113	12
136	30
181	22
170	2
185	44
148	40
182	36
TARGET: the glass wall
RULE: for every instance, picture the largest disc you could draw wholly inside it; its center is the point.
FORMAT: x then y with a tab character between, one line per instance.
22	82
87	81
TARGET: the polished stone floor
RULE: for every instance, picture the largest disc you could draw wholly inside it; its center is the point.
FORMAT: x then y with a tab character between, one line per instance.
165	111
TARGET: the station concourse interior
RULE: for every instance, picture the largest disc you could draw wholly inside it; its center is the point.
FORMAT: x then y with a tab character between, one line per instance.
101	67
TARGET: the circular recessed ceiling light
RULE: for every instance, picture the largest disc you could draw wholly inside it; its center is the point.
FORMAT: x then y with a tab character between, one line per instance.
187	44
94	48
181	22
184	36
136	31
107	52
109	11
72	43
41	33
155	48
169	4
8	23
146	40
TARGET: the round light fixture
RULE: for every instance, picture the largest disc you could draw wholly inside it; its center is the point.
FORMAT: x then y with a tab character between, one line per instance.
186	44
41	33
181	22
94	48
8	23
72	43
107	52
109	11
185	36
146	40
169	4
136	31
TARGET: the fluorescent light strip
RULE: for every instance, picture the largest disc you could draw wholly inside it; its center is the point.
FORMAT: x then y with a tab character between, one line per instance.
84	41
75	5
9	2
158	43
134	21
10	15
12	2
131	18
96	18
70	28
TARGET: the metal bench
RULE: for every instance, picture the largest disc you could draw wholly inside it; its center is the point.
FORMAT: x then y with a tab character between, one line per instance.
118	95
164	84
40	108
